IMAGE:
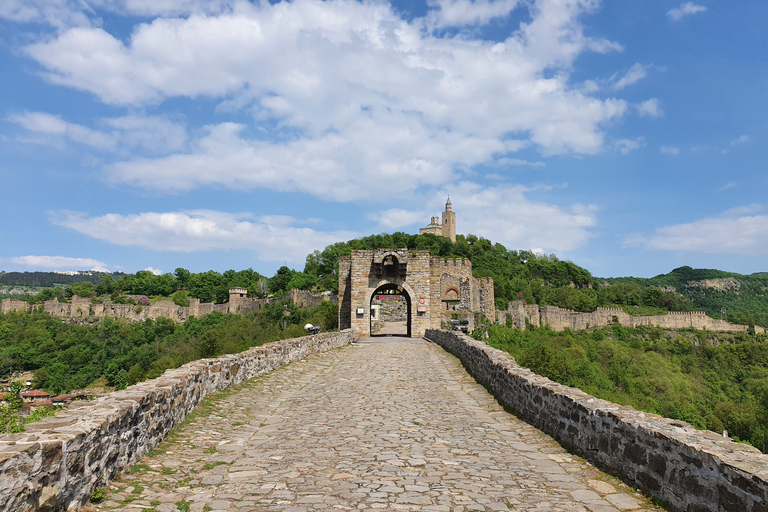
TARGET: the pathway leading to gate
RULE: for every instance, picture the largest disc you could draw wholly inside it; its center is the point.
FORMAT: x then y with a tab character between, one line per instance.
385	424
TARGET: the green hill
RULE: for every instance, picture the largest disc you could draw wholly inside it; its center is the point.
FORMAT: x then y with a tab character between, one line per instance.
744	297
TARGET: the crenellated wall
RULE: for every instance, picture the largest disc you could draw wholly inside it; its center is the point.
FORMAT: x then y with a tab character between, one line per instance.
59	461
432	285
81	308
559	319
693	470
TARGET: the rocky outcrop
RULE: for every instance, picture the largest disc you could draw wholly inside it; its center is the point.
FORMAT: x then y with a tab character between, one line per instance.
59	461
692	470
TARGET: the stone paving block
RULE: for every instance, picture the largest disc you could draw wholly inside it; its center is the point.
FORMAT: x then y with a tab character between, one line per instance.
623	501
385	426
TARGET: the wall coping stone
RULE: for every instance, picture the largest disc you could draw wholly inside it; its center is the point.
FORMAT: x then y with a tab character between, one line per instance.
690	469
59	461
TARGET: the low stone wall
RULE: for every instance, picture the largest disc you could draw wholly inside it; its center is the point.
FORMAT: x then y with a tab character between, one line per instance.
59	461
693	470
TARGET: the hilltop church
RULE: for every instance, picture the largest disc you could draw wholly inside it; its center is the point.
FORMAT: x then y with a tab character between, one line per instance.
448	226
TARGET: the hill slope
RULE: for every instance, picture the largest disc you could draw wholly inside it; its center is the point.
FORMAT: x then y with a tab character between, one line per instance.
744	297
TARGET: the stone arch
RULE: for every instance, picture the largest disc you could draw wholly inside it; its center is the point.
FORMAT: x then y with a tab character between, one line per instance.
448	295
408	293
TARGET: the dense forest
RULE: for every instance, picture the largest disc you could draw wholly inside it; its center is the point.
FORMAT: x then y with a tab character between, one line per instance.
714	381
51	279
64	356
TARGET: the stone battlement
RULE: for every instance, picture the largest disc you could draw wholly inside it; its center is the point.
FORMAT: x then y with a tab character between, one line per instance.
452	262
558	319
691	469
83	309
435	289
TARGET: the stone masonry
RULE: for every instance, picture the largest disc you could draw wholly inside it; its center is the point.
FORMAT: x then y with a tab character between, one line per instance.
558	319
693	470
391	424
447	228
434	288
82	309
59	461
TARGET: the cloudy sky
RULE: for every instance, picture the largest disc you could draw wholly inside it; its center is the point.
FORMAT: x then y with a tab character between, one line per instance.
628	137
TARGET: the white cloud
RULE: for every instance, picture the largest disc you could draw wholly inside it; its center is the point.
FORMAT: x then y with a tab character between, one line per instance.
154	134
48	124
726	186
155	271
517	162
741	140
273	238
636	73
669	150
460	13
396	218
63	14
60	14
504	215
686	9
626	146
740	231
650	108
345	93
60	262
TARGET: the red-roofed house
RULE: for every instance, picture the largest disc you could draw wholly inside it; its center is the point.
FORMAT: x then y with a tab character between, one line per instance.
39	403
34	395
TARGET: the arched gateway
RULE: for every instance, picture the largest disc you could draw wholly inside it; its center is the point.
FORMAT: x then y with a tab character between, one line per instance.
435	288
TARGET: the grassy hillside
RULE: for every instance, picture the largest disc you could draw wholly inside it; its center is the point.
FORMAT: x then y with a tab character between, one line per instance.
745	297
715	381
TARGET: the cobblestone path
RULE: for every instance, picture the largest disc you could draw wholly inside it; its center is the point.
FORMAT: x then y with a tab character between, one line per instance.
385	424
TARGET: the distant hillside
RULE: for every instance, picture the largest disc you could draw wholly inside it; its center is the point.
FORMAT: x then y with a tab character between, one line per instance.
744	297
51	279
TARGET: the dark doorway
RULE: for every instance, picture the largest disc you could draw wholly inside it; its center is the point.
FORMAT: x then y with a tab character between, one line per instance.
392	305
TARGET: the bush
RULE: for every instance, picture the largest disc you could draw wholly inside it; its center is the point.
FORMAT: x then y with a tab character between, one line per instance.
98	495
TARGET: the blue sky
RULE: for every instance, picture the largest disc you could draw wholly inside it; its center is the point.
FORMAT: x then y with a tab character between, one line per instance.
628	137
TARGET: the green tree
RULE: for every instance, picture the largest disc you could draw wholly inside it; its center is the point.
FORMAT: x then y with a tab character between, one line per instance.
279	282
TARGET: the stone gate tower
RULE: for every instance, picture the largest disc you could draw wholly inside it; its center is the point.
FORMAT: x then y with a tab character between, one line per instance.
434	288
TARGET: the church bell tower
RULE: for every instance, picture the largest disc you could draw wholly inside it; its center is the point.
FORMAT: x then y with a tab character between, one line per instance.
449	221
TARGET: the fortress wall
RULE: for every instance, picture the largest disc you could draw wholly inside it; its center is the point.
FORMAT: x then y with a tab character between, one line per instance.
345	291
487	297
59	461
84	309
693	470
559	319
8	305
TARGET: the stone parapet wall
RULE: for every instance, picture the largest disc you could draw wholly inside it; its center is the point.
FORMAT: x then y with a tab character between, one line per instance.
696	471
59	461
